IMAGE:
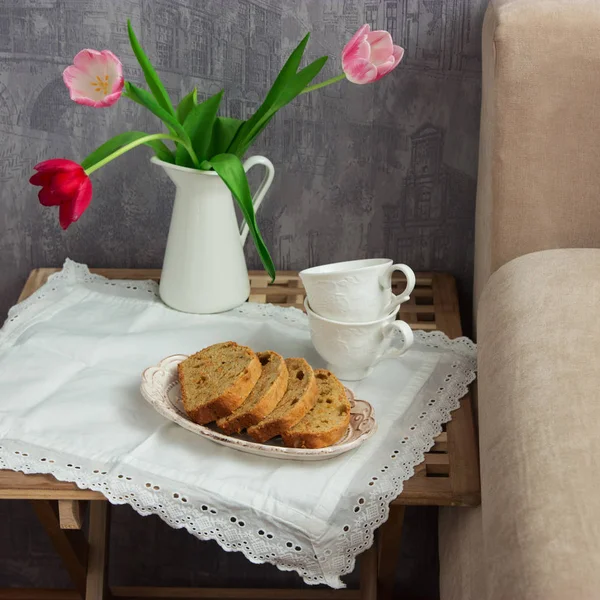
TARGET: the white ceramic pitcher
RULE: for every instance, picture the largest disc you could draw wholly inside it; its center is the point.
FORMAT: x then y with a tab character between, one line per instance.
204	269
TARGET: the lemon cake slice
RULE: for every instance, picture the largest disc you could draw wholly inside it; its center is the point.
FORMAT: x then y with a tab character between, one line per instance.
299	398
265	396
327	422
217	380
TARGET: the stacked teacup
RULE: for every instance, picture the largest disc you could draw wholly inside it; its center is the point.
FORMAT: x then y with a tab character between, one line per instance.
353	312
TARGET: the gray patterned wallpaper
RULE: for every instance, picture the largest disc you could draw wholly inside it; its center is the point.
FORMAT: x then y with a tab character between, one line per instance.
381	170
362	171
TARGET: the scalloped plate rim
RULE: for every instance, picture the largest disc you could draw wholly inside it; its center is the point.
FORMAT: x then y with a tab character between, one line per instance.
158	395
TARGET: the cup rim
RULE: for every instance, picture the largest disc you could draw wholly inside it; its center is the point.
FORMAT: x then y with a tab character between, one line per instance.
312	313
345	267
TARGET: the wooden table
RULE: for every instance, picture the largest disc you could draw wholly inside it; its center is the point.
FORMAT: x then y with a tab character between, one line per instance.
449	475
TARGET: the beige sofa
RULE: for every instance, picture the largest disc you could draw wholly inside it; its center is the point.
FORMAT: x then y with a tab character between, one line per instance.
537	293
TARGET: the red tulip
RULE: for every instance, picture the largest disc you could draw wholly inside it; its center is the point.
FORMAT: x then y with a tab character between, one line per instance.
65	184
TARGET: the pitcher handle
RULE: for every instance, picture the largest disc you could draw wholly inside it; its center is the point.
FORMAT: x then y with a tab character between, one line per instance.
263	188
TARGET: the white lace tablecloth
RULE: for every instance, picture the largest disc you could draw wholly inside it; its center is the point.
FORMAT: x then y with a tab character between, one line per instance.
70	363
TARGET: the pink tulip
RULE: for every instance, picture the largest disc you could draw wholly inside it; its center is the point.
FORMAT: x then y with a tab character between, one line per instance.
370	55
95	78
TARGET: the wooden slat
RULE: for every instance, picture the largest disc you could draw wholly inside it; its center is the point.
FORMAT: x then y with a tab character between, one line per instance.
420	471
15	485
37	594
368	573
422	292
295	292
434	463
298	306
286	291
176	592
462	448
292	289
462	440
440	443
417	308
96	581
423	278
389	538
235	593
70	514
73	555
40	276
408	314
445	300
437	464
34	282
258	279
424	326
419	491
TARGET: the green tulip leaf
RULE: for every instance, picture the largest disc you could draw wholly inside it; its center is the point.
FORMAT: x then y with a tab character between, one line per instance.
230	169
224	130
291	91
186	104
145	98
154	83
287	72
199	127
302	79
287	86
112	145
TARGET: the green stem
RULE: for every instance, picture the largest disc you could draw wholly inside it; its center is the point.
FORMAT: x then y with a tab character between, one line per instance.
190	150
317	86
135	143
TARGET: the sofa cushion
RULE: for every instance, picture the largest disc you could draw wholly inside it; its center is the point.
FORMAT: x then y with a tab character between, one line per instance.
539	416
539	152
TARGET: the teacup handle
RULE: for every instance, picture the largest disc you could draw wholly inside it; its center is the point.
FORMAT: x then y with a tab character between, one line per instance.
409	338
386	281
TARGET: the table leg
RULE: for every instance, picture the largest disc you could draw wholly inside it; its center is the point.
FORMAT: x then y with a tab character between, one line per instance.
389	538
70	514
70	545
96	583
368	574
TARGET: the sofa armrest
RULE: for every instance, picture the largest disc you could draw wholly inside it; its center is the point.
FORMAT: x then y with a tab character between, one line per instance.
539	161
539	425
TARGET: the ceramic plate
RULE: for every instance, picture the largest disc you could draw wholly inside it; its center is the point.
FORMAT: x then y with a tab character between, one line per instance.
160	387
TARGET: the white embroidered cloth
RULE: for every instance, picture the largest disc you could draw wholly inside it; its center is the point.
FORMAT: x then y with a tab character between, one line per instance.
70	363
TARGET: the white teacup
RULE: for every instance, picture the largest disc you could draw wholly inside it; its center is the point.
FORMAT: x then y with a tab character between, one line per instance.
355	291
351	350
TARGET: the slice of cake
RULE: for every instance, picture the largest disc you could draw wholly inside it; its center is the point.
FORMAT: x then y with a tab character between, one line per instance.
217	380
327	422
299	398
265	396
